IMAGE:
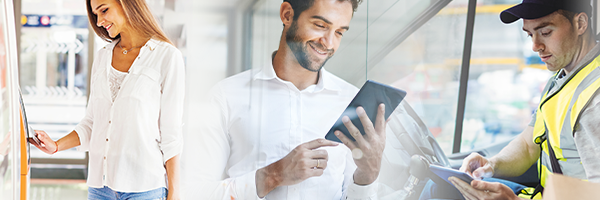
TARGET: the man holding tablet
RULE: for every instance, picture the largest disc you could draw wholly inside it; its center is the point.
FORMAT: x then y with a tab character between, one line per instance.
265	138
563	135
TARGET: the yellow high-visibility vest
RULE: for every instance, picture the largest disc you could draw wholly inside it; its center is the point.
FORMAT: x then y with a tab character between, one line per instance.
556	120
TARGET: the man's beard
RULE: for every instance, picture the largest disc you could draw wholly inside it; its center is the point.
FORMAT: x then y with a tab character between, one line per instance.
300	49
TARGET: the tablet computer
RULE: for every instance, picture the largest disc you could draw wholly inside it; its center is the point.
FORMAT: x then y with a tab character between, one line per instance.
445	173
369	97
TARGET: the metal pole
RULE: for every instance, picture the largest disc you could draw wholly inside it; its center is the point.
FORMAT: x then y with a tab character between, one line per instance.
367	46
464	76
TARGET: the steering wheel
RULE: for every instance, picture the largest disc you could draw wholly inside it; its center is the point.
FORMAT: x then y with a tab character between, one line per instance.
422	142
438	153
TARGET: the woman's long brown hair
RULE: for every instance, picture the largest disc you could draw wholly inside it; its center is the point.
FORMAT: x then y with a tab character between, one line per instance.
138	15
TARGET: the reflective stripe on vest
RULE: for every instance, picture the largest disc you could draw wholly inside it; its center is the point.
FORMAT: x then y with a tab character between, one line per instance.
527	193
558	115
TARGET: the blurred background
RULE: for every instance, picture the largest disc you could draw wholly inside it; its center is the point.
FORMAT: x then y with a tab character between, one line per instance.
417	46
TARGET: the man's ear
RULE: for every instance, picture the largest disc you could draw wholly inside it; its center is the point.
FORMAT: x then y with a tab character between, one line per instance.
581	23
286	13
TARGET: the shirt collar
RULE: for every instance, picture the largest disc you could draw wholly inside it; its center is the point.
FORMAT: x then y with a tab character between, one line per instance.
326	79
590	56
152	43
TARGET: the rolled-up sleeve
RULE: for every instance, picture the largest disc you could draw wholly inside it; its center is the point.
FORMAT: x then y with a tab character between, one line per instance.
171	107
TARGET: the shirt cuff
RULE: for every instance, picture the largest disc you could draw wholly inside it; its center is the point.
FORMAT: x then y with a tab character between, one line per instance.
84	141
171	143
171	150
245	186
362	191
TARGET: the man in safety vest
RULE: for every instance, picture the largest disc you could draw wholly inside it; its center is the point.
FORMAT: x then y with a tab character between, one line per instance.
564	134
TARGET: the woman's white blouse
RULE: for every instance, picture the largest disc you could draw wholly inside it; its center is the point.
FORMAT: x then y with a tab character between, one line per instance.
130	139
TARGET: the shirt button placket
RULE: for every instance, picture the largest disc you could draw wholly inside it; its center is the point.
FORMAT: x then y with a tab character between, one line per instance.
299	120
106	147
293	119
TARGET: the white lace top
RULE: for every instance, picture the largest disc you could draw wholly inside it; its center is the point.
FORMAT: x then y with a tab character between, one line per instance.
115	79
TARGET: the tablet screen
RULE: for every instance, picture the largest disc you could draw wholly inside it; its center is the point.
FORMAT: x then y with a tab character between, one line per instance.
445	173
369	97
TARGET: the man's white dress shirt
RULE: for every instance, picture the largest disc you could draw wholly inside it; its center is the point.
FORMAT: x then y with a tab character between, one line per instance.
130	139
257	119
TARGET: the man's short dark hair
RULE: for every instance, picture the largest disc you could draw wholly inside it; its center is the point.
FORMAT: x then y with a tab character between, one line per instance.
300	6
568	14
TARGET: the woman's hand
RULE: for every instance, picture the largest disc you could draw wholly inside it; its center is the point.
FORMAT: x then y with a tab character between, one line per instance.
47	145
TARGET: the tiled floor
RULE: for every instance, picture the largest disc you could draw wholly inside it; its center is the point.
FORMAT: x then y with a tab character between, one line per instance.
53	189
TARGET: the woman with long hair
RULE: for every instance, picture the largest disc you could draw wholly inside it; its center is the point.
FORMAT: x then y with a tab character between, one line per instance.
133	123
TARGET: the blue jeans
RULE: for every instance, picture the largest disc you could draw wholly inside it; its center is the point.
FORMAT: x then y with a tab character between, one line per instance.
106	193
447	191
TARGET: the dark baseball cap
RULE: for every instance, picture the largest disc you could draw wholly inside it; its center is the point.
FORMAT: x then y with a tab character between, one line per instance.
533	9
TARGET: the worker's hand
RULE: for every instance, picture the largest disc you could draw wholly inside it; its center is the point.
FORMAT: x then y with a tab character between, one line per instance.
305	161
47	144
477	166
367	150
482	190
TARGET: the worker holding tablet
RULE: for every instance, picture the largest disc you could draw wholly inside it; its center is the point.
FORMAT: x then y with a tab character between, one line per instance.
563	135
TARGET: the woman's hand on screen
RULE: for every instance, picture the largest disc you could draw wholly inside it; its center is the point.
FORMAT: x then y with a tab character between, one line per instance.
47	145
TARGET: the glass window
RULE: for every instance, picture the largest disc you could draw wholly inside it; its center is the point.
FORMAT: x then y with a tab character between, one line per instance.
426	64
265	34
376	29
505	77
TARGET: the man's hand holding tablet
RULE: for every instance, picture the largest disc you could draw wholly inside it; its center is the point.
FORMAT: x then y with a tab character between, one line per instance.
362	128
369	97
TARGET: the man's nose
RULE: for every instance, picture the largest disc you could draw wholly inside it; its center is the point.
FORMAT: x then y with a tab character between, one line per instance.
327	40
538	45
